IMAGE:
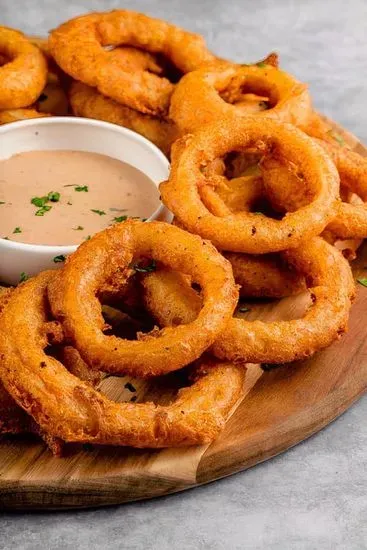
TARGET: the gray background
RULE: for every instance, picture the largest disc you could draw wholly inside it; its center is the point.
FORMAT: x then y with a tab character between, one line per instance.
314	496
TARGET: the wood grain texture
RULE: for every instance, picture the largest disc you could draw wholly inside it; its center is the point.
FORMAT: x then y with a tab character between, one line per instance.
280	408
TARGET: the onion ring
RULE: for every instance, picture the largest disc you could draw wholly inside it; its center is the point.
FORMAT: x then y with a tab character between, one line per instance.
132	59
249	232
13	420
77	47
205	95
331	285
68	408
87	102
266	276
23	78
73	297
287	191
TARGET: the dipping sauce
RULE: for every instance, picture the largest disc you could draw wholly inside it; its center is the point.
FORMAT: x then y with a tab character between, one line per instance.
64	197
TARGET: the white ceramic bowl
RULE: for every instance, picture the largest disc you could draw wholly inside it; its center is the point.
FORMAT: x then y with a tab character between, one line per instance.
75	134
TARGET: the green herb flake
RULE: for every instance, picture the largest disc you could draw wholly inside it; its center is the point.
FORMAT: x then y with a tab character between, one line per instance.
23	277
39	201
53	196
79	228
17	230
120	219
145	269
59	259
81	188
261	64
244	309
362	281
99	212
87	238
42	211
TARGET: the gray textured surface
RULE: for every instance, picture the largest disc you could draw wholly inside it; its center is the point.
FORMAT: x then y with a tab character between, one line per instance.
314	496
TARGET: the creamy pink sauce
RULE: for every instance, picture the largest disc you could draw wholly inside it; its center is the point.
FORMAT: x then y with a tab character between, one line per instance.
84	182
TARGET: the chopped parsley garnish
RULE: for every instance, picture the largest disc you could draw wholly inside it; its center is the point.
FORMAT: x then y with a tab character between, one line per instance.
43	97
59	259
144	219
39	201
23	277
53	196
261	64
80	188
119	219
338	138
79	228
130	387
145	268
17	230
362	281
42	211
99	212
244	309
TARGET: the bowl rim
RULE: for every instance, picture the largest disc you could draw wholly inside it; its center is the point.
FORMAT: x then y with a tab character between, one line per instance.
44	121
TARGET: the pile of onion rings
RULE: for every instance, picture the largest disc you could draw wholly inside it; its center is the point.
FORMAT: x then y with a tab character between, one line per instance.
250	232
71	410
269	202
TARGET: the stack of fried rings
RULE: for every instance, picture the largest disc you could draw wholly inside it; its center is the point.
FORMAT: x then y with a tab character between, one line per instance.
132	95
70	409
271	198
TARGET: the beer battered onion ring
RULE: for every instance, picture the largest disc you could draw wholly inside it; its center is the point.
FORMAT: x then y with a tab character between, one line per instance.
331	286
245	231
266	276
210	94
73	298
66	407
287	192
87	102
13	420
78	47
23	78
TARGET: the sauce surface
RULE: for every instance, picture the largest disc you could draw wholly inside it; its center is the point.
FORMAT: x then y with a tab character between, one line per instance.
64	197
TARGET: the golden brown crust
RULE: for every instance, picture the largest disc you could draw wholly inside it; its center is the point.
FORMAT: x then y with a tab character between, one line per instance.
246	231
23	78
212	93
331	286
77	46
87	102
73	411
73	292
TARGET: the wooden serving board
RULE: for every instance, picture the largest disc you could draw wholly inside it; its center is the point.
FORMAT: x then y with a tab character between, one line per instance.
280	408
